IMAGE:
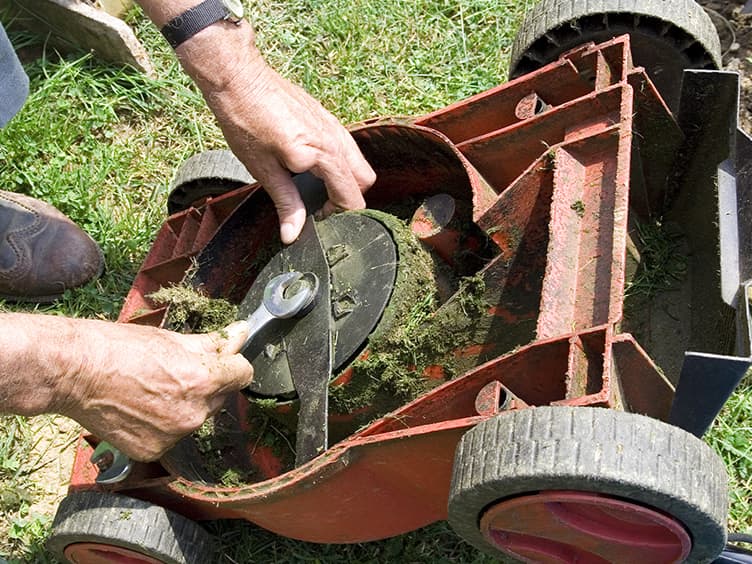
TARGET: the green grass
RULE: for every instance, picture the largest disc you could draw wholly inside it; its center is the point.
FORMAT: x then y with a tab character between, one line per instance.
662	263
435	544
17	487
101	143
730	438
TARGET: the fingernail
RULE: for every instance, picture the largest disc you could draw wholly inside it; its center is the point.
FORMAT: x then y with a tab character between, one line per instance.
288	233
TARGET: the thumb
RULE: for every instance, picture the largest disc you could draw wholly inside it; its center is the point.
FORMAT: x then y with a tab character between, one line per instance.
234	336
233	372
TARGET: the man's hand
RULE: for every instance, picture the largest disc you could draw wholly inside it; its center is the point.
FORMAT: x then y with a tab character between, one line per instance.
153	386
140	388
274	127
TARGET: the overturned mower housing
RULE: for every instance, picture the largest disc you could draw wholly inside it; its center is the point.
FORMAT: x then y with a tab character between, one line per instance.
488	356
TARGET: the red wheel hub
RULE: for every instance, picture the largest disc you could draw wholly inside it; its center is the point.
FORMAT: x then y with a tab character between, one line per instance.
98	553
563	526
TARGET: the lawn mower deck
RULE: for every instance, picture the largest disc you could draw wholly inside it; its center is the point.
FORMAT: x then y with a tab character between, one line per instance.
549	421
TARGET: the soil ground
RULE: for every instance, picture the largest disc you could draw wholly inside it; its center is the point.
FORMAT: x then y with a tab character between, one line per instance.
54	453
735	30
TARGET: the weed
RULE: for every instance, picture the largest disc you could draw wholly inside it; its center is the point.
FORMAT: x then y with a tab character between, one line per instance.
579	208
662	262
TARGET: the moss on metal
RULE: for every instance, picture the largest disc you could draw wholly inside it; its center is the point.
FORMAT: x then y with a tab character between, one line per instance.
416	333
189	311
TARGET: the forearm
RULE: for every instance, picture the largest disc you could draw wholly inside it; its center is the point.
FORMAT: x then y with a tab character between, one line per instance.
274	127
38	372
139	387
217	54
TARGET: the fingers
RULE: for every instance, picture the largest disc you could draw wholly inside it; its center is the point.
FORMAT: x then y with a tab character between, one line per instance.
234	336
286	198
233	373
345	171
230	370
359	167
343	189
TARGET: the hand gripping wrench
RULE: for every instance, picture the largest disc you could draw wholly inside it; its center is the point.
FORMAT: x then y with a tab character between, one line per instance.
285	296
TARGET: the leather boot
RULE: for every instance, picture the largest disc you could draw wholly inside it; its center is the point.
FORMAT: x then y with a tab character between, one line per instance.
42	252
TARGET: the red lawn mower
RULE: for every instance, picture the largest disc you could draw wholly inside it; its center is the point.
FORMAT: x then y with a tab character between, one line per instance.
478	350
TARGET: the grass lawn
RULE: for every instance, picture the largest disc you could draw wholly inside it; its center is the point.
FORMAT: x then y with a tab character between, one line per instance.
101	144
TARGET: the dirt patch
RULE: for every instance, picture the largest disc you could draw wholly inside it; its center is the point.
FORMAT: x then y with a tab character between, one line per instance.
734	27
49	462
52	460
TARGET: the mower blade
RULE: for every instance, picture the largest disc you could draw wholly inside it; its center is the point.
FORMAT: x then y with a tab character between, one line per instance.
310	355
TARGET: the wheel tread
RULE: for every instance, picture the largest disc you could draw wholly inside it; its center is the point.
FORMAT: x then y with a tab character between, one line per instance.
549	15
122	521
591	449
209	173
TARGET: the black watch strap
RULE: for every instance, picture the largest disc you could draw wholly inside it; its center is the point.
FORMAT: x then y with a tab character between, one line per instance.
189	23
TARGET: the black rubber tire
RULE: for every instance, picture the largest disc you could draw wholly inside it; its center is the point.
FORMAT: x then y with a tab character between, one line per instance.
625	455
667	36
210	173
116	520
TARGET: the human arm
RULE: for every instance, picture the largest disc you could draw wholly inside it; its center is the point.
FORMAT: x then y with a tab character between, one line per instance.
273	126
140	388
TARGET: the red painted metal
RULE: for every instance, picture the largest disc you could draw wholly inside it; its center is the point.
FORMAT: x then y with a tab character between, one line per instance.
565	526
431	224
98	553
545	165
494	397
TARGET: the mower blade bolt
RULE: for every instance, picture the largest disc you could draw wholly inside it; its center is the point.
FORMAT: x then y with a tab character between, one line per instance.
286	295
103	461
298	286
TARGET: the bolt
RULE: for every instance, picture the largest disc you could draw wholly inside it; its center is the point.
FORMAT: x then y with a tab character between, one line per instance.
296	287
104	460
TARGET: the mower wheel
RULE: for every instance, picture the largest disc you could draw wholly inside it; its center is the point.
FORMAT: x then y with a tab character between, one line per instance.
211	173
578	484
666	36
94	527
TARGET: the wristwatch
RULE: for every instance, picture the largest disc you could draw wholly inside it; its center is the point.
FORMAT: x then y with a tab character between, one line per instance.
189	23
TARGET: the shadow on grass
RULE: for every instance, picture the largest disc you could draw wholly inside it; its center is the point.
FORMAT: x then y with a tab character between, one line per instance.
242	542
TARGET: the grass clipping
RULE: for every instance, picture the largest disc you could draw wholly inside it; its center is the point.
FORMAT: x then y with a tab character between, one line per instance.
190	311
389	376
